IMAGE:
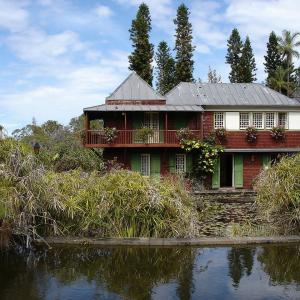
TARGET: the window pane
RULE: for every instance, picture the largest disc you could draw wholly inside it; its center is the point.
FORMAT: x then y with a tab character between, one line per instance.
257	121
282	117
145	164
270	120
219	120
180	163
244	120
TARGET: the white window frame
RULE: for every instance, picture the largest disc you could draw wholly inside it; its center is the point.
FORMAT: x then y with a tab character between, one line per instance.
216	115
286	119
262	120
240	120
266	120
147	167
181	170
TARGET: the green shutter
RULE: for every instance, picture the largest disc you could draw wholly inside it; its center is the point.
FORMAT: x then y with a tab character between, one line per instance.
136	162
216	175
266	160
189	163
238	171
155	165
172	162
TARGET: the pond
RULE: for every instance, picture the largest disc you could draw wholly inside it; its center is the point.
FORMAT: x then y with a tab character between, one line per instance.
263	272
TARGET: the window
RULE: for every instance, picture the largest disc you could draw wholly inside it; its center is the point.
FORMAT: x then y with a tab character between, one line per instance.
270	120
257	120
180	166
244	120
145	164
219	120
282	120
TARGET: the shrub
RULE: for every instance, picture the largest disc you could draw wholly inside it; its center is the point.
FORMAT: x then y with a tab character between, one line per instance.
143	134
278	194
251	134
110	134
184	134
278	133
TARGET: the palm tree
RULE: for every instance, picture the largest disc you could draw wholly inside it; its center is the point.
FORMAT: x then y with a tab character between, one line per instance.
287	44
278	80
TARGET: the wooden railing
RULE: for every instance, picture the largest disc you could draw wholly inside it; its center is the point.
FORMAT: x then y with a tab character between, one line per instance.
130	137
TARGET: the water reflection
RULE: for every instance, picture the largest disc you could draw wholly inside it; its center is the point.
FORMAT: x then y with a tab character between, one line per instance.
152	273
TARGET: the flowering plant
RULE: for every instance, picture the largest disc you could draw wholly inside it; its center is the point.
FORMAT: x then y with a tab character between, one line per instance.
110	134
278	133
251	134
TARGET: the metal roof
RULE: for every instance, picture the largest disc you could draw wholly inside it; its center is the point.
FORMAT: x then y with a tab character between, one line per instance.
227	94
111	107
134	88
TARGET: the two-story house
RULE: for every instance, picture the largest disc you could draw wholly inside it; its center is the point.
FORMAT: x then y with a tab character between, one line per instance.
203	108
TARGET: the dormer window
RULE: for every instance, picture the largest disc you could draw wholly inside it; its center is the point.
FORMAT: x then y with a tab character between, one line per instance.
219	120
270	120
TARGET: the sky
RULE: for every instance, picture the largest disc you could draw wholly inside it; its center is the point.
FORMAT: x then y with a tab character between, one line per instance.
59	56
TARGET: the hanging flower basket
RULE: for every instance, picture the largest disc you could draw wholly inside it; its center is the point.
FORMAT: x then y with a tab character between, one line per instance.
220	134
278	133
251	134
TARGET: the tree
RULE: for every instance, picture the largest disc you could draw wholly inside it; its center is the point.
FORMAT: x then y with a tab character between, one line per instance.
247	66
212	76
233	57
273	58
142	55
184	66
165	68
287	44
279	82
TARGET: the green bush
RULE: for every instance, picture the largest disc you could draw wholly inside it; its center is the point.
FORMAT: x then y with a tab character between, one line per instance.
278	194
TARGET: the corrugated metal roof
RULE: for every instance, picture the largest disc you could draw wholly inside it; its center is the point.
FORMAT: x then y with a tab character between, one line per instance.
105	107
134	88
227	94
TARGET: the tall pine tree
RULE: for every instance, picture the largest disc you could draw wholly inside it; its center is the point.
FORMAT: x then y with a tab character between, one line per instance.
273	58
233	57
247	67
142	55
165	68
184	66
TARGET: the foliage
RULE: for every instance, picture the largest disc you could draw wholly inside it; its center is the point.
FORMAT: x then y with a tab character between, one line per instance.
279	82
278	133
119	203
233	56
184	66
165	68
278	194
273	57
61	147
140	59
247	67
212	76
143	134
184	134
251	134
206	154
220	134
110	134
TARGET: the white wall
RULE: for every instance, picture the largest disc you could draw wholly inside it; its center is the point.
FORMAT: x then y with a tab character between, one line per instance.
232	120
294	120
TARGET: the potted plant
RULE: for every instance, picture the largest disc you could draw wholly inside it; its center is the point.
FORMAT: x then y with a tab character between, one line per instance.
220	134
278	133
251	134
184	134
110	134
143	134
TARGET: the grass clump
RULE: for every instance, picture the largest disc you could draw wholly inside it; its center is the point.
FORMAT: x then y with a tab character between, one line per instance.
278	194
41	202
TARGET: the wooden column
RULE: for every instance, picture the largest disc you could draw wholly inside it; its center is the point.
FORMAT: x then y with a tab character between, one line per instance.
125	128
166	127
86	121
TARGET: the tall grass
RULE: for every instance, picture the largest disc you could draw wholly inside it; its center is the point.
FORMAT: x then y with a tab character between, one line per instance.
40	202
278	194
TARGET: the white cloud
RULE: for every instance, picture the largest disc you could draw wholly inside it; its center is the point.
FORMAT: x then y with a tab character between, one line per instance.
103	11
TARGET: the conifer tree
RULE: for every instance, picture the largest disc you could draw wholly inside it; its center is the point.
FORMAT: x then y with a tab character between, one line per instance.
165	68
233	57
247	66
184	66
273	58
142	55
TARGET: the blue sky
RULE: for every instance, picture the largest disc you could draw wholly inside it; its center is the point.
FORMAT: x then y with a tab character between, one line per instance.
58	56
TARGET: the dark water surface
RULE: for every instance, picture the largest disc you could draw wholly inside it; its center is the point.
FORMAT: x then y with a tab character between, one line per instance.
264	272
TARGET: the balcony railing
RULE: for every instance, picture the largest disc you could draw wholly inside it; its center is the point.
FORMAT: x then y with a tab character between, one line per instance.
96	138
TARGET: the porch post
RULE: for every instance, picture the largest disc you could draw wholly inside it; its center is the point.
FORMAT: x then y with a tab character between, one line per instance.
86	128
125	127
166	127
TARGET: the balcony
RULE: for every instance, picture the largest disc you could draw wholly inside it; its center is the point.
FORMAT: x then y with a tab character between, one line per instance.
128	139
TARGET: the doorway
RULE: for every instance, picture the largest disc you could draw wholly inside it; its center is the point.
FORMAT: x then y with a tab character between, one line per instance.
226	170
